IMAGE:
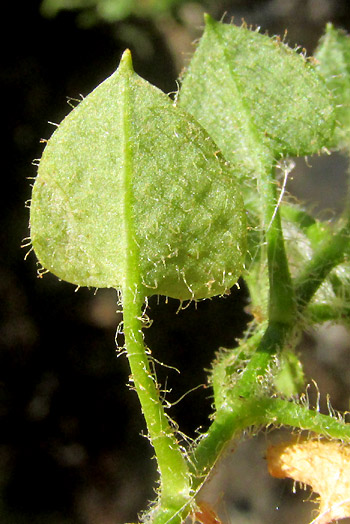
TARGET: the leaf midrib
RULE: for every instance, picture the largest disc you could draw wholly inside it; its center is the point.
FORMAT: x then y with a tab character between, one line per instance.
132	271
253	133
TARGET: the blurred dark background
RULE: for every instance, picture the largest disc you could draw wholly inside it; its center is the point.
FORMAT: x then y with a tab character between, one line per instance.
70	444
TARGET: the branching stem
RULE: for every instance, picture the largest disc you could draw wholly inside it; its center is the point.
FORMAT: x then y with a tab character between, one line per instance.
241	407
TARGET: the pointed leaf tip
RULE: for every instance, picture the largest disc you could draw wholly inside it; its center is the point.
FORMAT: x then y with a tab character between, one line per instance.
208	19
126	60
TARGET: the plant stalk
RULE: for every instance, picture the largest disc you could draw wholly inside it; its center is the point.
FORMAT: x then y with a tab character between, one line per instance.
233	417
281	296
174	475
330	253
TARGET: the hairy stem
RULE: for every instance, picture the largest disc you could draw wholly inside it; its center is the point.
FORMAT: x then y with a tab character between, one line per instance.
328	256
257	411
281	297
174	475
279	411
282	311
237	411
233	416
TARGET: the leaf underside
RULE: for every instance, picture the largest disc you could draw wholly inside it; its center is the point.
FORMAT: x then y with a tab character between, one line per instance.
255	96
184	202
333	56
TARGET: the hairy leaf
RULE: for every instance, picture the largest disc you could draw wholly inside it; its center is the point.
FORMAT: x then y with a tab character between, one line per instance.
333	55
126	168
255	96
303	236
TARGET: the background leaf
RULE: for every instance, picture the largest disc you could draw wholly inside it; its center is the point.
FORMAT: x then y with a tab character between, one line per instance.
255	95
333	55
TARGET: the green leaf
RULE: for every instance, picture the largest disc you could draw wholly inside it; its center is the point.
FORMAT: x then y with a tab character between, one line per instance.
257	98
52	7
304	235
333	55
111	10
290	380
126	168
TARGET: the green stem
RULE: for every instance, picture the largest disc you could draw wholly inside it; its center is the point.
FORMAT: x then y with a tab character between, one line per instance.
320	313
279	411
235	413
233	416
328	256
239	407
254	411
229	365
226	426
282	311
174	475
254	376
281	298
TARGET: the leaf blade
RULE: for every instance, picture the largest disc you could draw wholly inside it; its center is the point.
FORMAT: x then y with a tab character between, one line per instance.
284	99
187	211
333	55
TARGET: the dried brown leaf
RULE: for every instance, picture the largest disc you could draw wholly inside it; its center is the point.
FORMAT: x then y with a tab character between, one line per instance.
322	464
